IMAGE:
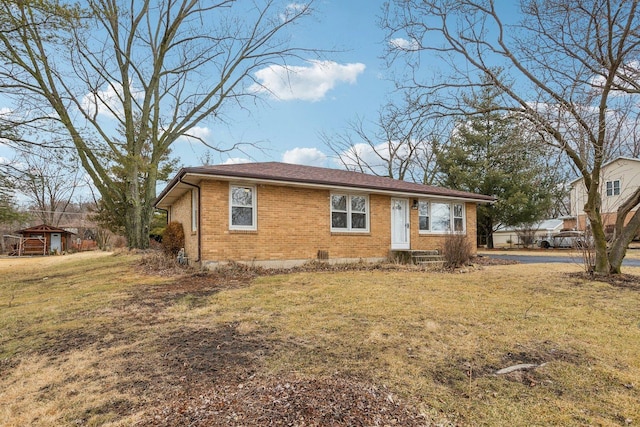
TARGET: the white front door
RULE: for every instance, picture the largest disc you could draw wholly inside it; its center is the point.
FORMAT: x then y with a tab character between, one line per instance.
400	224
56	243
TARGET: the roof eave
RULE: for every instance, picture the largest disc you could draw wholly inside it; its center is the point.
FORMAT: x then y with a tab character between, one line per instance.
188	175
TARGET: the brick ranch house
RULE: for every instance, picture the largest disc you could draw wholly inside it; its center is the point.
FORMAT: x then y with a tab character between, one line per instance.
279	215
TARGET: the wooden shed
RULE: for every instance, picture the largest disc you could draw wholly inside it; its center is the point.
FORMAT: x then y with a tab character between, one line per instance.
42	240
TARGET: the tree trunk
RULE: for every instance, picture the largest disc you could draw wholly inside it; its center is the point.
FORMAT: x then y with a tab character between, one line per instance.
137	225
139	203
599	240
137	210
623	236
617	253
485	225
133	223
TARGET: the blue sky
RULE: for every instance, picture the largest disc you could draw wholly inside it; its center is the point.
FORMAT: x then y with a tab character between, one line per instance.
287	128
351	82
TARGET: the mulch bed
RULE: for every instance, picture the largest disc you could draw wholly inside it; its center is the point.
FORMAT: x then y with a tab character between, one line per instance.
289	402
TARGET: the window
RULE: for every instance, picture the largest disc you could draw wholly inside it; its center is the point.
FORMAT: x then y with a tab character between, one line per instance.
349	213
458	217
440	216
437	217
613	188
194	209
423	215
242	206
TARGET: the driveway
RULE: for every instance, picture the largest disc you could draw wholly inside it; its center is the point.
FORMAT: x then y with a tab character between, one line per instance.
543	259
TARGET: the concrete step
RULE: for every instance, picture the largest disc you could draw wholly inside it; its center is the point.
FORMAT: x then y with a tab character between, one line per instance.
426	257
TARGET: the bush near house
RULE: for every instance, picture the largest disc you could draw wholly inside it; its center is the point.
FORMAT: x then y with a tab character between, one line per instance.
173	239
457	250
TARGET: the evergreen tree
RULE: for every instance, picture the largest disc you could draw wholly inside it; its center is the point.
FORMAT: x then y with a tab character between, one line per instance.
491	153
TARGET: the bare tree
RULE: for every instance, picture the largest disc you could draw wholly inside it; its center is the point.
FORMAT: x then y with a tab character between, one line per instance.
399	146
156	69
570	68
49	180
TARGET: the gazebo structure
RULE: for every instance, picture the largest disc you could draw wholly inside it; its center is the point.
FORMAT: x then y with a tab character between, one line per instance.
42	240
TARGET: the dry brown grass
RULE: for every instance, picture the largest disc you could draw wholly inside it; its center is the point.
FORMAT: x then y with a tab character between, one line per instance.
99	343
438	339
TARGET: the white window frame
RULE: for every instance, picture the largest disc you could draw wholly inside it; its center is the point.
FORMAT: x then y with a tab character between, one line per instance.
254	210
462	217
613	188
452	217
194	210
349	212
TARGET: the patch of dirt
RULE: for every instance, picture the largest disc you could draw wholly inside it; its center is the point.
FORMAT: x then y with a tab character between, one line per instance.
209	377
183	363
629	281
7	364
77	339
199	285
118	406
205	354
539	354
459	371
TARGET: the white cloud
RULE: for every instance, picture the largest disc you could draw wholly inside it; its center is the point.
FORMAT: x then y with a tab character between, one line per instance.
305	156
627	72
307	83
197	134
404	44
292	10
363	153
236	160
374	157
106	102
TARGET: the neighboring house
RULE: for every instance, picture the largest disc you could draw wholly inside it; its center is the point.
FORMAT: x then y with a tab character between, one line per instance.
42	240
619	178
507	237
279	214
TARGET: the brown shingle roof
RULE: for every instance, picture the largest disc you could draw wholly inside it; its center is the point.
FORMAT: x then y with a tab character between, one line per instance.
290	173
44	228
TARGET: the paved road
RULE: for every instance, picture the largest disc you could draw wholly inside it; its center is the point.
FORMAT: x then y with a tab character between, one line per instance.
540	259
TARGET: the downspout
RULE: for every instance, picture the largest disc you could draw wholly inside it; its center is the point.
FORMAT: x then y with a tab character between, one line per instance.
199	215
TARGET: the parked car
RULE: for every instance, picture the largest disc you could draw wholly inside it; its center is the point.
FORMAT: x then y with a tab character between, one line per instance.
564	239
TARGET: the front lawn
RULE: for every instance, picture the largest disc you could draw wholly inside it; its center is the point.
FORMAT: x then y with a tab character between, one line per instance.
99	342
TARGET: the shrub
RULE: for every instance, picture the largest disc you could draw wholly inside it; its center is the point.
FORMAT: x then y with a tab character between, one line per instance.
173	239
456	250
156	262
120	242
